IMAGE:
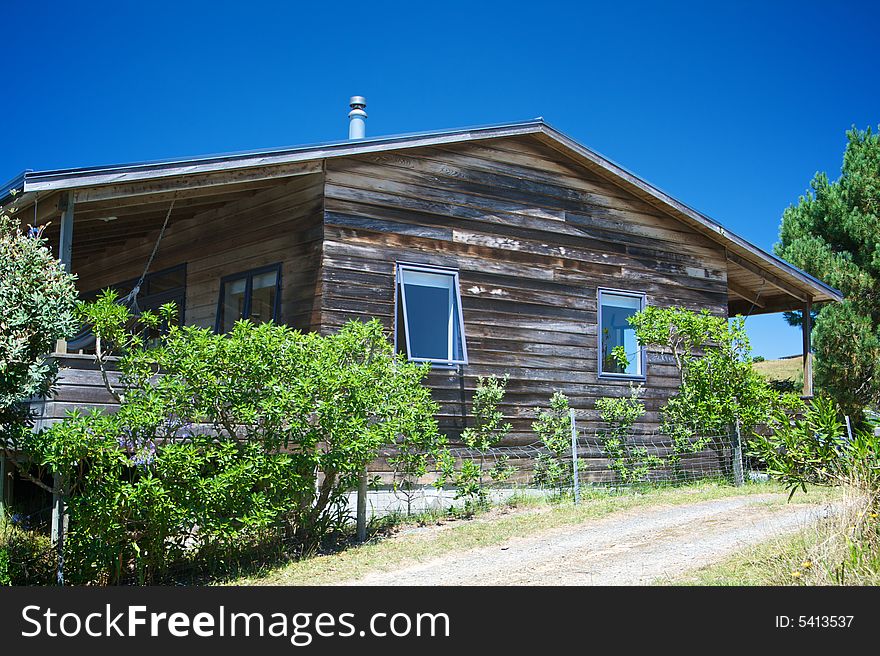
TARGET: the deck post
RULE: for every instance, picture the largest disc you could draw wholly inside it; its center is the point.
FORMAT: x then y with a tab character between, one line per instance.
65	246
806	330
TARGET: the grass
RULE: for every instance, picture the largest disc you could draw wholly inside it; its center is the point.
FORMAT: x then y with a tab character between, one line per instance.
425	538
785	369
843	549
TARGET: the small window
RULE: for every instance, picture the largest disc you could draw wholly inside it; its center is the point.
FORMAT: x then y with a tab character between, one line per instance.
250	295
617	337
429	325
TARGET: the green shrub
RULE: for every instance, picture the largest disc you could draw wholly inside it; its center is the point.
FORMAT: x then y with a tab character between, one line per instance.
815	449
719	388
631	463
489	427
469	485
553	427
37	308
26	557
4	567
487	431
245	440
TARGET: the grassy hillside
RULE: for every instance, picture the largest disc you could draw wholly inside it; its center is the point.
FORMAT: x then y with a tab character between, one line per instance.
787	369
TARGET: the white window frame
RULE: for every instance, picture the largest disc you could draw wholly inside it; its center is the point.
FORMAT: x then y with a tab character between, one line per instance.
643	360
400	309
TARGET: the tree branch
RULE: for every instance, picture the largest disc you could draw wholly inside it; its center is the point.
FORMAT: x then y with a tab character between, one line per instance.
101	359
24	473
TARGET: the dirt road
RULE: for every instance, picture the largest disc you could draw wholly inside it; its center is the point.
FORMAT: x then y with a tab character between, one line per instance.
635	547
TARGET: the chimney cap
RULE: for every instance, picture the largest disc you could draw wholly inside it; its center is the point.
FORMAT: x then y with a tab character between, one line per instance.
357	102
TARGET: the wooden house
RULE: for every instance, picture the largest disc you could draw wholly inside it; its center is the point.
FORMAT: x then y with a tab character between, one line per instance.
501	250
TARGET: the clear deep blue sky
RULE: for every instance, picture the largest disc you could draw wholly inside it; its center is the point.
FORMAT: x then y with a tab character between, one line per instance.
731	108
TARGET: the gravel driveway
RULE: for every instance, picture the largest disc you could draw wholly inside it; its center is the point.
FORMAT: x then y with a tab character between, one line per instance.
635	547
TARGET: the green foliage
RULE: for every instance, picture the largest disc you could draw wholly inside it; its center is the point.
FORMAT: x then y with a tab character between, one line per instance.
552	472
36	309
489	427
621	413
618	356
832	234
502	470
4	567
553	427
412	458
245	440
847	346
468	481
811	446
26	557
719	388
814	449
632	463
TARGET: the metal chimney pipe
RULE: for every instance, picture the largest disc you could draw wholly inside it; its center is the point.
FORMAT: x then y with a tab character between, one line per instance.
357	118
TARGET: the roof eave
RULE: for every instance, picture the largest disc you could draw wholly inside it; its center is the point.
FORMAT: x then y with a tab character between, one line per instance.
65	179
36	182
11	189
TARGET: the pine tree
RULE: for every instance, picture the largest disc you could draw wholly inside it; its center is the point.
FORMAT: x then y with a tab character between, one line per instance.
833	233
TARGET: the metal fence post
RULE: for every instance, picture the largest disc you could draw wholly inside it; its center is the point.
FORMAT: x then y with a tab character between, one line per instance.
738	478
362	506
574	456
2	488
58	525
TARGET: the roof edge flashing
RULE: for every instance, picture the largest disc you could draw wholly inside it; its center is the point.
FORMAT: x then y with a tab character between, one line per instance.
33	178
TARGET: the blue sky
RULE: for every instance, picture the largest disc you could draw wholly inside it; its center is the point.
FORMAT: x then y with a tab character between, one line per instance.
730	108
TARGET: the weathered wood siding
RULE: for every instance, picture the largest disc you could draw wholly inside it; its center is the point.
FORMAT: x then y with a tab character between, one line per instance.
281	224
533	236
79	386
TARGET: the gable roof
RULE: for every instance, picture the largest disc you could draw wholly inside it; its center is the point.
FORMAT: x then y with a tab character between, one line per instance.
744	255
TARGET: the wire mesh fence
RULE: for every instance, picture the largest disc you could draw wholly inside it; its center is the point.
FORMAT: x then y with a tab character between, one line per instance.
596	461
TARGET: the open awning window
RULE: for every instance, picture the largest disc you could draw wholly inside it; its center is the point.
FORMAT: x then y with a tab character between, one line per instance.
430	327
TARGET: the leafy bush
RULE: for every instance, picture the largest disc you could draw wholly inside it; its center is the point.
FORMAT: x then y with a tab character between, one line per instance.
225	443
631	463
814	449
26	557
489	426
487	431
553	427
719	388
37	300
141	506
468	481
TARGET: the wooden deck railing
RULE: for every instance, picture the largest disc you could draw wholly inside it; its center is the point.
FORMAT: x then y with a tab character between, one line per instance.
79	385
